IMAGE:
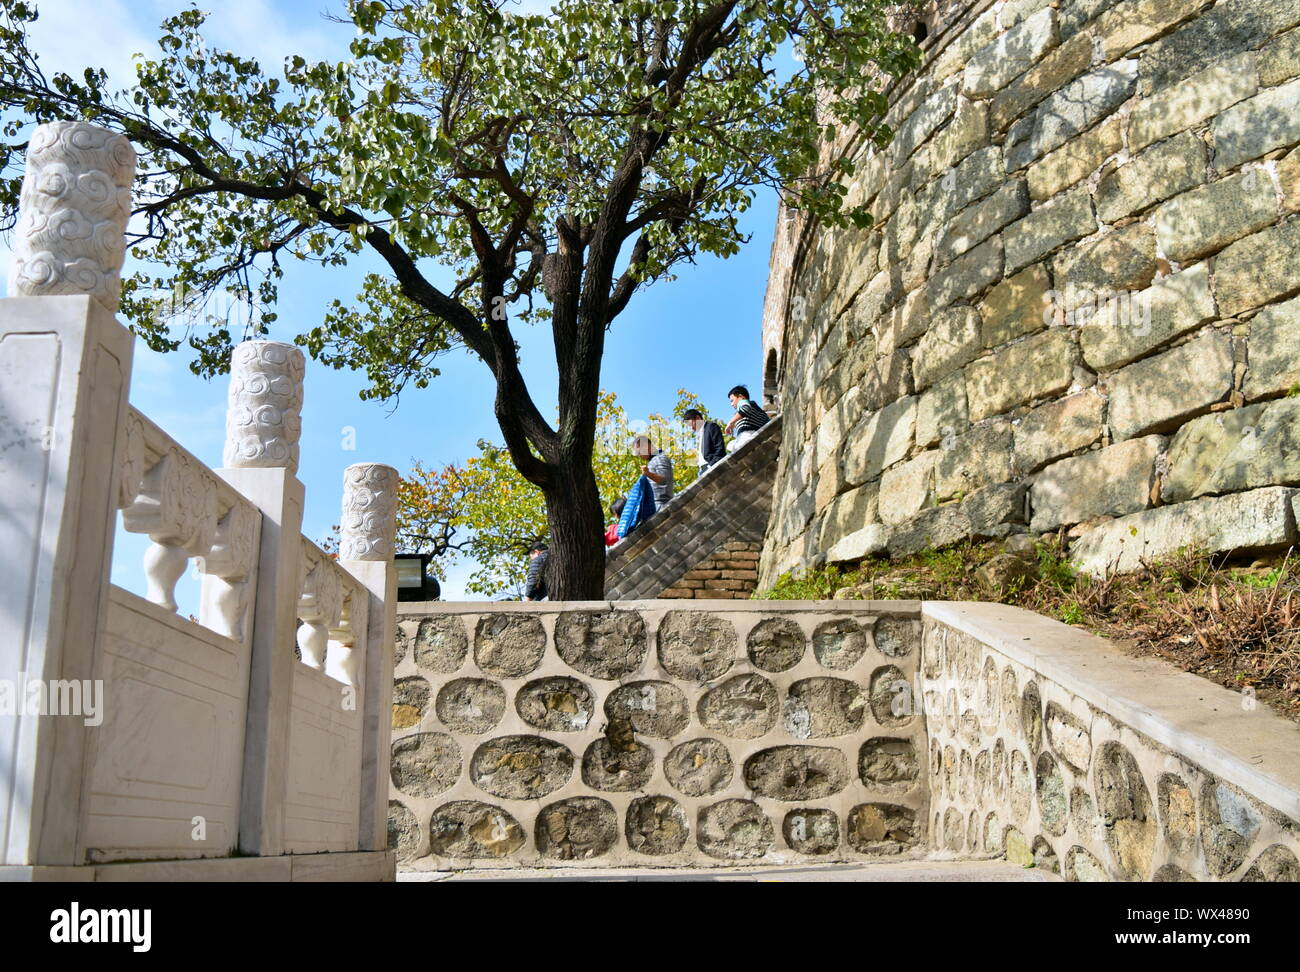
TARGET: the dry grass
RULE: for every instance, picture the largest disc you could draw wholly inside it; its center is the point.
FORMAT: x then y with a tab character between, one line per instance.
1236	625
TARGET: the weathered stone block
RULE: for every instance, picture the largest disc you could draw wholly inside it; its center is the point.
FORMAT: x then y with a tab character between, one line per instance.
955	55
1259	519
952	340
1229	29
937	527
974	178
941	411
1267	121
820	707
967	132
1127	328
1126	26
1071	110
920	125
1288	174
1208	218
1258	269
991	68
1159	392
982	219
992	509
829	483
1280	60
967	275
1037	367
1058	429
904	488
880	440
1178	108
979	458
1109	482
1064	219
835	423
1273	349
1123	259
1165	170
1017	306
849	512
1074	160
1229	452
870	541
1059	67
888	378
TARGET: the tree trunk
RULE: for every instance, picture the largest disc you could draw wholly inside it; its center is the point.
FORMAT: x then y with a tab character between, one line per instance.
576	571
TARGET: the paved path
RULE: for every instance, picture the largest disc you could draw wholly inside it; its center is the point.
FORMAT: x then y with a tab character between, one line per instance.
946	871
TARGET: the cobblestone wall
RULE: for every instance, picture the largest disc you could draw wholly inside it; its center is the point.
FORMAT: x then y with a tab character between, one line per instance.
651	734
1077	306
1031	761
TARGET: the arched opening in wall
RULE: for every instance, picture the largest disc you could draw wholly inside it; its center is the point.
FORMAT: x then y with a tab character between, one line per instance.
920	31
770	393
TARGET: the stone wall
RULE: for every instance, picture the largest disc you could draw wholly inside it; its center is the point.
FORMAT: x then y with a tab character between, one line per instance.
647	733
1077	306
712	521
1051	747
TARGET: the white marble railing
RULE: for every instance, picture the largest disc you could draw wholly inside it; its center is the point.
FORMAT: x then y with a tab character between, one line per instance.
210	738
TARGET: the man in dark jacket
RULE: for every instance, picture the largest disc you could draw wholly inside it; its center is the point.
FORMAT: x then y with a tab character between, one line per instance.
535	584
711	449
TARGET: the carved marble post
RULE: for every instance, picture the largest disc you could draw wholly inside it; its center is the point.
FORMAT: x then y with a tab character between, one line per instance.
366	552
76	199
65	366
261	455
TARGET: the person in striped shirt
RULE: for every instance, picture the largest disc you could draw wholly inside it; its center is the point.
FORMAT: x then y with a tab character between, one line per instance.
749	418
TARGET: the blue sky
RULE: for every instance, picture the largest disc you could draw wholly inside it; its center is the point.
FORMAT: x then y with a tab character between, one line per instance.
700	332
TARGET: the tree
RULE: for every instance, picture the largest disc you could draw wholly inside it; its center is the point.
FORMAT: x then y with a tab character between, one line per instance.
486	512
549	165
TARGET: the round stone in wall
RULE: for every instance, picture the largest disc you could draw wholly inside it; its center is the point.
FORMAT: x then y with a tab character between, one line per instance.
954	829
521	767
892	703
656	825
1082	866
950	772
743	707
403	831
576	829
1052	804
998	769
1083	815
823	706
471	705
887	762
509	645
1010	699
989	701
839	644
776	644
425	763
1170	874
403	635
440	643
1177	811
1045	855
699	767
1275	864
556	704
617	769
1020	785
410	701
896	637
1125	806
965	770
655	709
981	780
1229	822
607	644
735	830
882	828
992	834
811	831
797	773
1031	718
695	645
470	829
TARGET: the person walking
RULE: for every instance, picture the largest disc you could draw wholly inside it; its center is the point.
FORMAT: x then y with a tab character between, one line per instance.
710	446
535	582
656	467
749	418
